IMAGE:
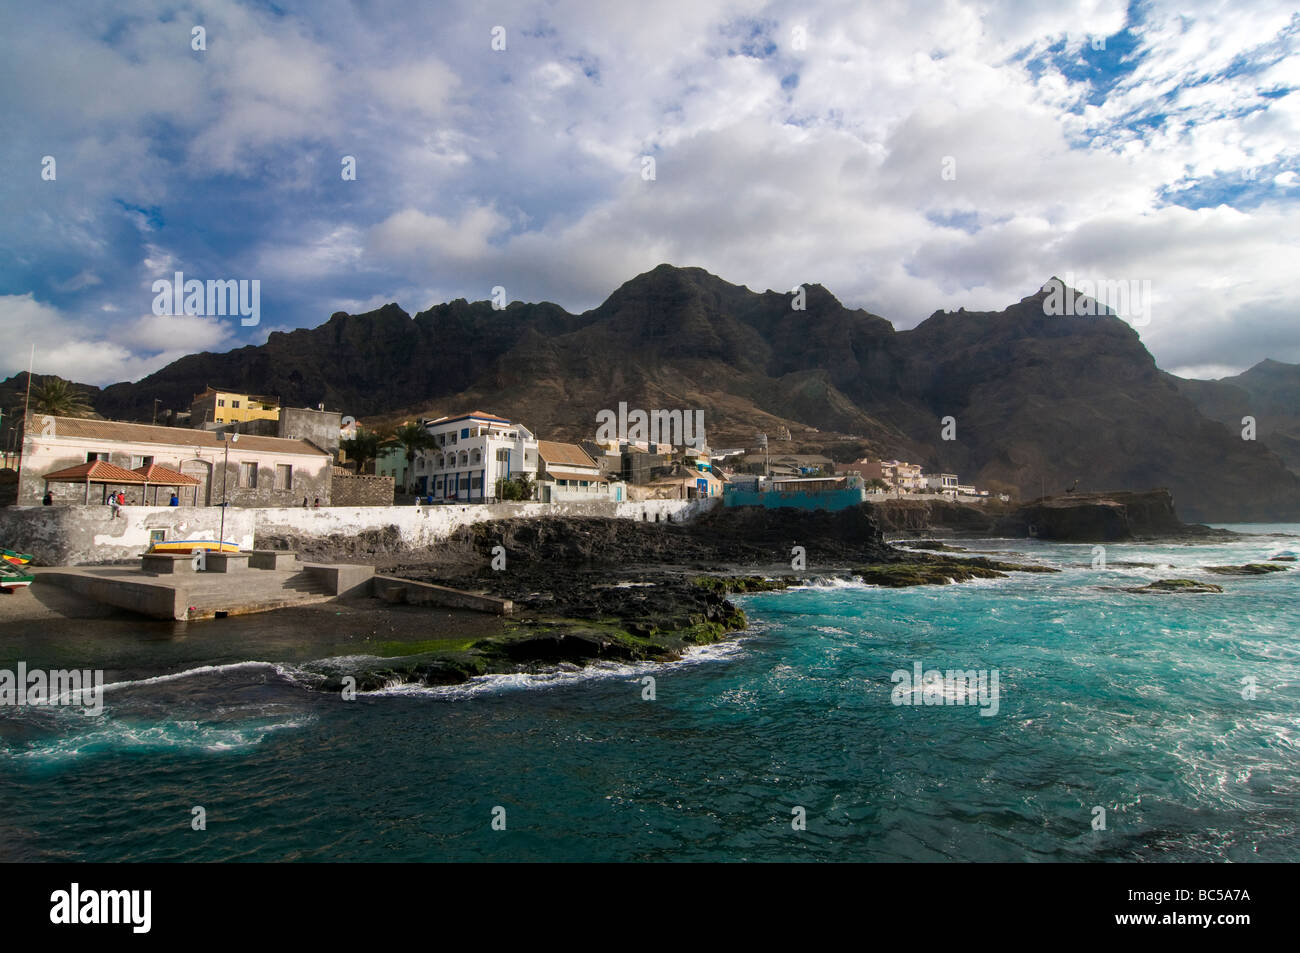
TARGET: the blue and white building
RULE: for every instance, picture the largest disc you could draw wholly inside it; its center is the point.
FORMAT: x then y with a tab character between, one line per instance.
474	451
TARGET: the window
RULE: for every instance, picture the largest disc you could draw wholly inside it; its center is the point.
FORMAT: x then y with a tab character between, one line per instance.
503	456
248	475
220	420
464	432
476	458
234	403
94	455
464	483
476	483
221	402
283	476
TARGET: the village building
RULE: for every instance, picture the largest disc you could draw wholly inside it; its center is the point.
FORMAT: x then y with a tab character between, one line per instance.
942	483
216	408
678	481
567	473
254	470
473	452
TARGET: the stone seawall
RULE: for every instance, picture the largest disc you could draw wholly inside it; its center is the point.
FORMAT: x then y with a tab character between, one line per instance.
89	535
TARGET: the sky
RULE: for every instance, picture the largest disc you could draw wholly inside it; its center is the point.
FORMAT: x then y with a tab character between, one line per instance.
908	157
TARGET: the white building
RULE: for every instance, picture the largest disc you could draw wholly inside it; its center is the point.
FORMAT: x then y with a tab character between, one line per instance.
474	451
942	483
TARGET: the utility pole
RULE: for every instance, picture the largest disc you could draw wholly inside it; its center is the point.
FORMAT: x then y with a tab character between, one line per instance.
27	403
227	439
156	402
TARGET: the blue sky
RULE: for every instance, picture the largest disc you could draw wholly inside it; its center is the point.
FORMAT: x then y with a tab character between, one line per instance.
793	143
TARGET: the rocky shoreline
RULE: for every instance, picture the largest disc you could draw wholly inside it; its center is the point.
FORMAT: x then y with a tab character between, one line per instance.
588	590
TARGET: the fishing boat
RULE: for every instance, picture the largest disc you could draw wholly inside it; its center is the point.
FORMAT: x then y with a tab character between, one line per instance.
17	559
190	545
11	577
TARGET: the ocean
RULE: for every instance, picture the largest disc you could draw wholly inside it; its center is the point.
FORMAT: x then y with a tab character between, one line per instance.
1126	727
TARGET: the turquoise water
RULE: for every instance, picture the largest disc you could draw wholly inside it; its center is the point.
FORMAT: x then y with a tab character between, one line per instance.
1132	703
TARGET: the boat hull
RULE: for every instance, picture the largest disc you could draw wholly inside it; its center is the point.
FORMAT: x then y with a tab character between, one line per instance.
190	545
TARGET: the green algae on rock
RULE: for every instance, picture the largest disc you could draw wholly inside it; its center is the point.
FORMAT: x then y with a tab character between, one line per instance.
1249	569
1175	585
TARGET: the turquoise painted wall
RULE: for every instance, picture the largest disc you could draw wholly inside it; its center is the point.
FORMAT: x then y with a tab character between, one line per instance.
834	500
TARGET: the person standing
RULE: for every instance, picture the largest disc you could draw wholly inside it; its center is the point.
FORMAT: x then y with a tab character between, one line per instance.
174	501
113	505
47	499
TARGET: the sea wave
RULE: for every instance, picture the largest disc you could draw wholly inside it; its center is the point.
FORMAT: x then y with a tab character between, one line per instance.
121	735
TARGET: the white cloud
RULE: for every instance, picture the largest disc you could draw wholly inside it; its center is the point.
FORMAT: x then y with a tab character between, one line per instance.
775	164
99	351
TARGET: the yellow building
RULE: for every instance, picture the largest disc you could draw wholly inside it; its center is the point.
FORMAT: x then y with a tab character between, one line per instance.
223	407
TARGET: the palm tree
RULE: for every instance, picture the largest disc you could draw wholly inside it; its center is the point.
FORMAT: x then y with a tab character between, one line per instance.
416	440
57	398
365	446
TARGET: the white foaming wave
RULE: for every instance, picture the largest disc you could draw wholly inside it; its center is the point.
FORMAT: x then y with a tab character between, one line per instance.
191	673
288	672
180	735
830	582
558	678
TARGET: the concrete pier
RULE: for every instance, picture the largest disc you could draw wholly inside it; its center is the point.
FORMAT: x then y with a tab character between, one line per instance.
392	589
190	596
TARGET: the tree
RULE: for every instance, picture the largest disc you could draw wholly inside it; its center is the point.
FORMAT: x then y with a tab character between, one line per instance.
57	398
365	446
520	489
415	439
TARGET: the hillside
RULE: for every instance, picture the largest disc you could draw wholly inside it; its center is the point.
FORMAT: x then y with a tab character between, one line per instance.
1269	392
1039	401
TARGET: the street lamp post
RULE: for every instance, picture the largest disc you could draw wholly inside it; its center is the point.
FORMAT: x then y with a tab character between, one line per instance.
225	465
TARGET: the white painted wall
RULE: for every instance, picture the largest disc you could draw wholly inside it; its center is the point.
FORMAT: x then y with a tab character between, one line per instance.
84	535
427	525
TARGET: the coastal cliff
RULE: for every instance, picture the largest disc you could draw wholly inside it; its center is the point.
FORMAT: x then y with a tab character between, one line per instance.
1076	517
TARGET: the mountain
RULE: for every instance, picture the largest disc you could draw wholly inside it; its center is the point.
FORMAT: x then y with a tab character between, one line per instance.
1038	401
1269	392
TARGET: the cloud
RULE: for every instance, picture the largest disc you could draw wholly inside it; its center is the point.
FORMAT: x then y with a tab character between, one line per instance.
792	143
99	350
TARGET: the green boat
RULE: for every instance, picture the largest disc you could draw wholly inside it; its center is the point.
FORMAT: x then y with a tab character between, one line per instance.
11	577
17	559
